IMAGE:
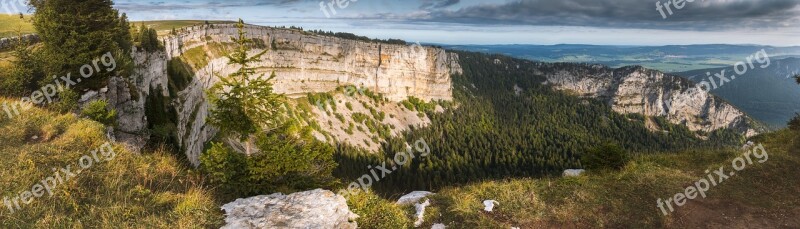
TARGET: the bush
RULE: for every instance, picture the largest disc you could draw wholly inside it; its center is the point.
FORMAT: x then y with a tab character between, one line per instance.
794	124
67	102
375	212
605	157
98	111
284	164
223	165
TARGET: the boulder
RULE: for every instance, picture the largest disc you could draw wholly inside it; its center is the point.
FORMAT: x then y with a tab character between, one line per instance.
413	197
573	172
310	209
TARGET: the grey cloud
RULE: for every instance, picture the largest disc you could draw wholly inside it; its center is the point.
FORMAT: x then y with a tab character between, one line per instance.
697	15
182	5
435	4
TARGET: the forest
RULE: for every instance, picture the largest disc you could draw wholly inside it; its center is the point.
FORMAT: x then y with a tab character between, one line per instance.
495	132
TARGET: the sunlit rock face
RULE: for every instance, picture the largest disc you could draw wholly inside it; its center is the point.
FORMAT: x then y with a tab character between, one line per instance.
303	63
651	93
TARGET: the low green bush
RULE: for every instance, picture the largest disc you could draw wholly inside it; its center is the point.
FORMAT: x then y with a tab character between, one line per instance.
605	157
375	212
98	111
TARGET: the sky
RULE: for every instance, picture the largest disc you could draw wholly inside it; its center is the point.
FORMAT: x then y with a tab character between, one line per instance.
544	22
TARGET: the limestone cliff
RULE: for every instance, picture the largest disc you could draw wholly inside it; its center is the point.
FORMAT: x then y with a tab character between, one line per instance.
303	62
651	93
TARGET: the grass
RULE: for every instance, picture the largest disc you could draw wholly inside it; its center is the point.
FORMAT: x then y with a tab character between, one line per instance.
627	199
152	189
11	25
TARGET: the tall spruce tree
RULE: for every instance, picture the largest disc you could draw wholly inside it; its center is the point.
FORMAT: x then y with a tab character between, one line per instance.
244	106
243	103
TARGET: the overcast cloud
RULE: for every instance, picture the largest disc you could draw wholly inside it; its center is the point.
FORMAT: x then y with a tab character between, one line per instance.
741	21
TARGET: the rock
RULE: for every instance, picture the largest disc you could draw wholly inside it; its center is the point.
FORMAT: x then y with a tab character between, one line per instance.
91	95
489	205
310	209
748	145
420	212
650	93
303	63
573	172
438	226
413	197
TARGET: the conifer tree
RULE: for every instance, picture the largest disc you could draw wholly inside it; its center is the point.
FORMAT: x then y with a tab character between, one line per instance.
75	32
243	103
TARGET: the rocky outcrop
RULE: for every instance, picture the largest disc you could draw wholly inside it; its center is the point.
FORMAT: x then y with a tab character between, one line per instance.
311	209
128	97
8	42
650	93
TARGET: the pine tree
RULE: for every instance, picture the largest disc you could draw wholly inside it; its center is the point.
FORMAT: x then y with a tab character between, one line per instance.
243	103
75	32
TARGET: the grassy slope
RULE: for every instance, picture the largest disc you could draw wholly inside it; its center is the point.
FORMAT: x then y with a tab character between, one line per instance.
152	190
759	196
12	25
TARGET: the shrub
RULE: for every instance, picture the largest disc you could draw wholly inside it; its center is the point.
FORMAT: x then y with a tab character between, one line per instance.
223	165
67	102
605	157
794	124
359	117
98	111
284	164
375	212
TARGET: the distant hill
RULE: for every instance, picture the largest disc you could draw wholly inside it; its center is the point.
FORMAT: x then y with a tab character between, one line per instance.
769	95
673	58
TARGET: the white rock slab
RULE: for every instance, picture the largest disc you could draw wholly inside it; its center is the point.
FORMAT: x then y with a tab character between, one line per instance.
310	209
489	205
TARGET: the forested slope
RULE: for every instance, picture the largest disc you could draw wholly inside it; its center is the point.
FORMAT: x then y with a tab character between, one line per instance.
506	123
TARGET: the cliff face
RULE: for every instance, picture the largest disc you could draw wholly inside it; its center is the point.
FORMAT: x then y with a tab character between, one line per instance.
651	93
304	63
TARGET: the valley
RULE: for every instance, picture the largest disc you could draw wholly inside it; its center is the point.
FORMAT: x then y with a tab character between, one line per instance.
229	124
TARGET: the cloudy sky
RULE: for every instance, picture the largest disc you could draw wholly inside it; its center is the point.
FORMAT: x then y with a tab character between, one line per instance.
616	22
